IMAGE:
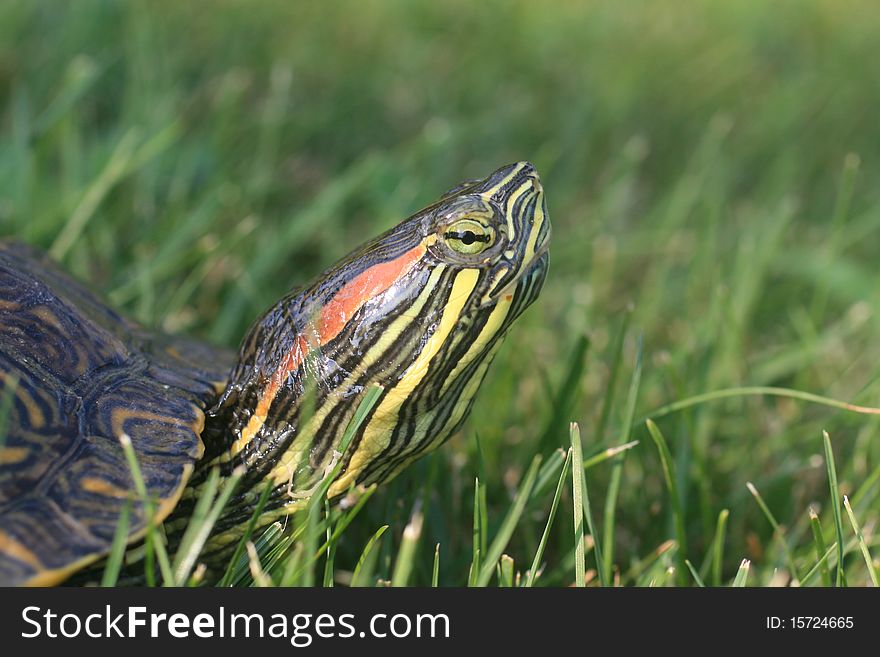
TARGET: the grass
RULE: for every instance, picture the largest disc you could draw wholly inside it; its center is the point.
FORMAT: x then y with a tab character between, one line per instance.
713	177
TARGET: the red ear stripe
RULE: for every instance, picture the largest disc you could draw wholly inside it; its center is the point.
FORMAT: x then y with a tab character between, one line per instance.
368	284
337	312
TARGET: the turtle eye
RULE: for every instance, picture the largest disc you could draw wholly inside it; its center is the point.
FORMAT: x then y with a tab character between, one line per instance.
469	236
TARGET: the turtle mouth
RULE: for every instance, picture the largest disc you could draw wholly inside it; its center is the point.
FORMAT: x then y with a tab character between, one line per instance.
531	280
525	286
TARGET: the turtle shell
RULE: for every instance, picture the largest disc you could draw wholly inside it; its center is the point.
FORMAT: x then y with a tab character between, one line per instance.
75	376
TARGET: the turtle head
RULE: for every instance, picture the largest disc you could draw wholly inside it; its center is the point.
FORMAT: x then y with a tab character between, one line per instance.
458	272
497	232
419	310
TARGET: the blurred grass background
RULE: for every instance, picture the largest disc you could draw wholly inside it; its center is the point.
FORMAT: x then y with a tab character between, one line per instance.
712	177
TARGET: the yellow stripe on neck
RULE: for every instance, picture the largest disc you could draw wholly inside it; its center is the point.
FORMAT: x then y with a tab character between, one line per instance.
293	457
492	326
378	432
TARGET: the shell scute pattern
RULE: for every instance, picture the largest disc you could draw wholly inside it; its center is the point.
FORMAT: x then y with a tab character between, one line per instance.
81	375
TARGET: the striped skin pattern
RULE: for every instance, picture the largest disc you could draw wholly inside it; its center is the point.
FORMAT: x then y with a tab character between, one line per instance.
79	376
405	311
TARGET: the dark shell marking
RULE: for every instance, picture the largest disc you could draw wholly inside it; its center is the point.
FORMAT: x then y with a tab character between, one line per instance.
80	375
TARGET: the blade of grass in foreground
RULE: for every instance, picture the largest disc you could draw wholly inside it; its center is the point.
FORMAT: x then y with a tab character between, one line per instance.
363	571
435	573
694	573
840	577
293	565
505	531
117	549
718	546
861	538
152	538
539	553
742	574
677	510
821	548
201	522
248	532
198	516
822	563
200	529
261	578
330	551
582	512
777	531
506	567
479	537
549	472
403	566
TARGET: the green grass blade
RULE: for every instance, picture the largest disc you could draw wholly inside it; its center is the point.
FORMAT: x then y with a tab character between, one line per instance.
154	541
195	540
677	510
267	544
582	512
549	473
435	572
617	467
718	546
197	518
330	551
759	391
777	531
226	580
505	531
872	572
313	520
293	567
742	574
839	577
260	577
479	523
539	553
506	568
821	548
608	453
579	515
404	564
473	571
694	573
819	566
117	548
363	571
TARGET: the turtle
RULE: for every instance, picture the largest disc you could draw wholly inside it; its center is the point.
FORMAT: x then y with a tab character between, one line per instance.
416	314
